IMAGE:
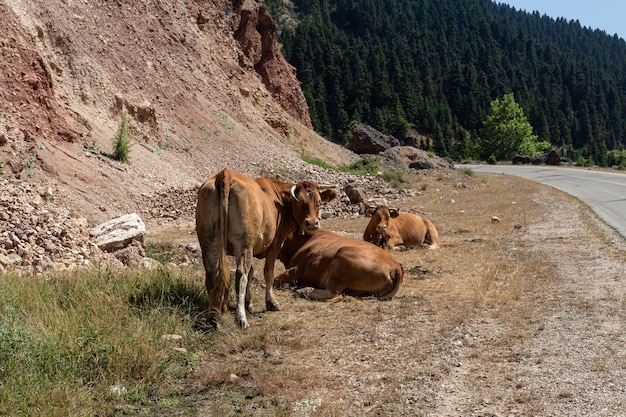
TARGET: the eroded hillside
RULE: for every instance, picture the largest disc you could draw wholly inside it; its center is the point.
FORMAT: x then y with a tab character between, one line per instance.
202	82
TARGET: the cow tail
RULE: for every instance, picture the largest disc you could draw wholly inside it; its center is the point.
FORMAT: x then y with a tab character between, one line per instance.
223	281
397	277
432	236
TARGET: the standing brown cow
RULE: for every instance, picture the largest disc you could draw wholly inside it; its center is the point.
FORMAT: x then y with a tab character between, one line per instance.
334	264
249	218
390	229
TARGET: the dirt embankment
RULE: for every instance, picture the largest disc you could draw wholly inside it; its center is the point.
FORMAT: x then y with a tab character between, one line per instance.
203	84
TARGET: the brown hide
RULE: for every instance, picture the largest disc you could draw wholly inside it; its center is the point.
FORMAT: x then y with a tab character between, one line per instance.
334	264
389	229
244	218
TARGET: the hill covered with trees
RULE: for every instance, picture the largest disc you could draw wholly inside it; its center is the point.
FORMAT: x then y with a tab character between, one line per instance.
430	69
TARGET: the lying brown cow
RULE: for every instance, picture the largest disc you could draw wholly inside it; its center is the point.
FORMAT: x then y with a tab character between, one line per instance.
244	217
335	265
390	229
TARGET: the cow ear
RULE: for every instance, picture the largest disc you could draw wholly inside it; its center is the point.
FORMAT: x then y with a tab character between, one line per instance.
394	213
370	211
328	195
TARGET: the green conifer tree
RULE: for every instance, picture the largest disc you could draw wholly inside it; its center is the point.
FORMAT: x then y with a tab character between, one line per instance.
121	142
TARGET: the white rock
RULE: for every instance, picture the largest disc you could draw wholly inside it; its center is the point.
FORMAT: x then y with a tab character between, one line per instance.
117	233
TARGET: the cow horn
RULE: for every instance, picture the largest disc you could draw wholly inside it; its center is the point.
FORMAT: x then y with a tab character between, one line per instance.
293	193
327	186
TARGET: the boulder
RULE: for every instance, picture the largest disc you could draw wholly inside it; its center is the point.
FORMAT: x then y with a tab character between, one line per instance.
408	157
119	232
367	140
520	160
553	158
538	159
354	194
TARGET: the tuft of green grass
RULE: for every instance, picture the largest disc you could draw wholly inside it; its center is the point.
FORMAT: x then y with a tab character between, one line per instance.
467	171
316	161
364	166
67	339
396	178
160	252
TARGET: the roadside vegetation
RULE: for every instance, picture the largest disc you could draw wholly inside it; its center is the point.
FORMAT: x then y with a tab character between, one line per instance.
79	343
95	341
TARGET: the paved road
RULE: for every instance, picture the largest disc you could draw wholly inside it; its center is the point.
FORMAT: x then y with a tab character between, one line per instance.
604	192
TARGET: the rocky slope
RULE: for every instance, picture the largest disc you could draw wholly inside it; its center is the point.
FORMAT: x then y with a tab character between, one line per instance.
203	84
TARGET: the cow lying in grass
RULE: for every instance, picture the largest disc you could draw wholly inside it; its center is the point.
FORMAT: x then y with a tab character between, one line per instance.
329	265
390	229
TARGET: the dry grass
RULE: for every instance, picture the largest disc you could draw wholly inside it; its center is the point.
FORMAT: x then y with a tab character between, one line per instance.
470	333
363	357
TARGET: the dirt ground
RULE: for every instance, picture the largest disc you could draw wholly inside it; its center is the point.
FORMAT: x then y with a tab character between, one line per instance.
517	317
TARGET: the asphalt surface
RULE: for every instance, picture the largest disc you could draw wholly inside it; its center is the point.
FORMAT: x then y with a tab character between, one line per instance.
603	192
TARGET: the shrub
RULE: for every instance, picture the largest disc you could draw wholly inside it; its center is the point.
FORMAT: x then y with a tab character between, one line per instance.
395	177
364	166
467	171
316	161
121	142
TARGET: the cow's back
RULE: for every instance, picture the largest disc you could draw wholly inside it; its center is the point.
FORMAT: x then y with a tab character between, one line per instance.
251	213
411	228
328	260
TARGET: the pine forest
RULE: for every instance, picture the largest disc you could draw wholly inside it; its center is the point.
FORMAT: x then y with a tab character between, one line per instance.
428	70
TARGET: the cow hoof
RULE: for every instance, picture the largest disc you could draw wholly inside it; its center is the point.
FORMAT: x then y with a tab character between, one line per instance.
208	326
243	324
212	320
272	306
305	292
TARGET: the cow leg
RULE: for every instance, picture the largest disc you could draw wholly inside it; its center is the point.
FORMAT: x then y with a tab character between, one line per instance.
317	294
268	271
248	295
215	288
214	302
392	243
290	276
244	266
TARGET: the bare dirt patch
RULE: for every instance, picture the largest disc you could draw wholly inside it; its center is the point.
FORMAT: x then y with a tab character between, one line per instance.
518	317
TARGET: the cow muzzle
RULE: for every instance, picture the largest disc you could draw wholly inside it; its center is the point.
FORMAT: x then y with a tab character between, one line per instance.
312	224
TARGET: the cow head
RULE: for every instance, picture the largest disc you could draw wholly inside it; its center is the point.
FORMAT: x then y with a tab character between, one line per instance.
380	218
305	199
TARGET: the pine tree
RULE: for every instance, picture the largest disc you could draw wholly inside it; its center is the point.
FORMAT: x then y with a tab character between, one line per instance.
121	142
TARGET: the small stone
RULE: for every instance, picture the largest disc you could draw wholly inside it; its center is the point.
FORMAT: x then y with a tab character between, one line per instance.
118	390
174	338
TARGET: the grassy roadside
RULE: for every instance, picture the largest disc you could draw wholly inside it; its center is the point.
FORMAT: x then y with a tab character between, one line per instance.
76	343
90	342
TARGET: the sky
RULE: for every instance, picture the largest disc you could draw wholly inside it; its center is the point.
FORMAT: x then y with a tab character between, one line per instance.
606	15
